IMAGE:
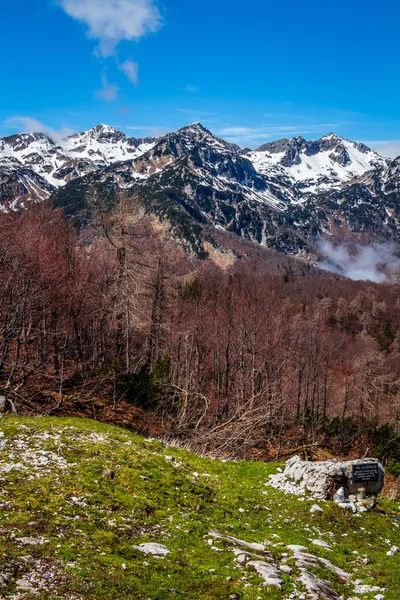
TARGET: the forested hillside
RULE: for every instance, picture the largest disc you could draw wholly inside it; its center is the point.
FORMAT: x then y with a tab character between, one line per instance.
120	324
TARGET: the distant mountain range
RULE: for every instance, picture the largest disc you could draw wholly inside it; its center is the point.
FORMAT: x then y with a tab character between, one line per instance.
284	195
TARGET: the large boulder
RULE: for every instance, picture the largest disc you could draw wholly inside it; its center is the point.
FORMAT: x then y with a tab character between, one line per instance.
323	479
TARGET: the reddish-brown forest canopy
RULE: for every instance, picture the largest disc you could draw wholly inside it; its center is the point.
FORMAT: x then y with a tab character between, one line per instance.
218	355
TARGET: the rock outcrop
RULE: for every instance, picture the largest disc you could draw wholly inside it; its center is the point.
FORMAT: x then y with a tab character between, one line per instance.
323	479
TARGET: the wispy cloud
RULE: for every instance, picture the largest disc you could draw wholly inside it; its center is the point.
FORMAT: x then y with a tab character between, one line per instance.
112	21
389	148
363	263
251	136
28	124
109	91
130	69
193	111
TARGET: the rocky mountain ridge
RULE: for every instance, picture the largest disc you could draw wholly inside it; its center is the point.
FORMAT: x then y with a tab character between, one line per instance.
50	163
284	195
314	166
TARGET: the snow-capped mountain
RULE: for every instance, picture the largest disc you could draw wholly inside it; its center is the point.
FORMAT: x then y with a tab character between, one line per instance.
19	184
283	195
317	165
193	181
61	161
104	145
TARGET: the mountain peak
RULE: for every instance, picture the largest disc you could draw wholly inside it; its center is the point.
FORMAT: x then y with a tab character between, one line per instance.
107	131
104	129
100	133
197	133
195	127
333	137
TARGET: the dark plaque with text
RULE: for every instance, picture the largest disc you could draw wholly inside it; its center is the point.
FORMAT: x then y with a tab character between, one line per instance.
365	472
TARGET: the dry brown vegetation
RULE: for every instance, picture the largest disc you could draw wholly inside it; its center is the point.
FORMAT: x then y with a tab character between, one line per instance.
246	360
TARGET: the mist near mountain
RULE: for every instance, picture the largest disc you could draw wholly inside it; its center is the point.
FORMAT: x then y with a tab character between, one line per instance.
366	263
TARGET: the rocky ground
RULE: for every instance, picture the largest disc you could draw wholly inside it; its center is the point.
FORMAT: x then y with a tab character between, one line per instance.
92	511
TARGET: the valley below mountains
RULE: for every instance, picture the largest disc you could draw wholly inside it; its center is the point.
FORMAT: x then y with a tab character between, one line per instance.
286	195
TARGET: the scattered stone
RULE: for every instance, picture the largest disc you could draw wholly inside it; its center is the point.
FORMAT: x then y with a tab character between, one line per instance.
322	544
242	556
27	559
32	541
153	548
360	588
348	506
108	474
25	585
305	559
296	548
7	404
238	542
269	572
285	569
317	589
315	508
281	482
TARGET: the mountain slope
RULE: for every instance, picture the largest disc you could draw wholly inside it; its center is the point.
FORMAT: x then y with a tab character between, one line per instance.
20	184
80	499
312	166
284	195
192	181
58	162
189	179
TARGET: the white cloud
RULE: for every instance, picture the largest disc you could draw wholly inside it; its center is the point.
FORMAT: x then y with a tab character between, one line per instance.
112	21
130	69
360	262
108	92
389	148
28	124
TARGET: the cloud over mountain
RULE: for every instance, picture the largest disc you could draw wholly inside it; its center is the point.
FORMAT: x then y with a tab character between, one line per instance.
112	21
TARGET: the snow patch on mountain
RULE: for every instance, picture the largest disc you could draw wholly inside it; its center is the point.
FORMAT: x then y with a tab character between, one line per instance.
104	145
73	156
315	165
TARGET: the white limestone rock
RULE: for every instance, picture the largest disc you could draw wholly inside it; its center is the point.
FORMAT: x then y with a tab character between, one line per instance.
323	479
269	572
153	548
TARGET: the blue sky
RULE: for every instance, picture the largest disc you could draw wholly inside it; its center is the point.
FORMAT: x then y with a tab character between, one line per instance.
251	71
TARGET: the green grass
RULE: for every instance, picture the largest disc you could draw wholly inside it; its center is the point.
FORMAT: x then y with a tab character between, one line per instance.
91	523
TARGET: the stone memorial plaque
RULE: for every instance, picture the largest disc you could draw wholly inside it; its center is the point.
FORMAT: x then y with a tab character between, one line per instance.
365	472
